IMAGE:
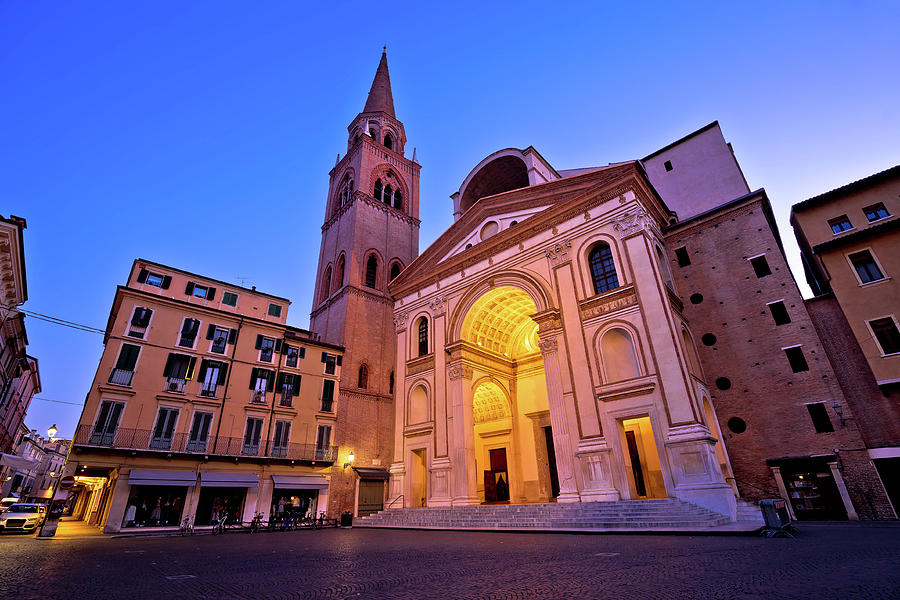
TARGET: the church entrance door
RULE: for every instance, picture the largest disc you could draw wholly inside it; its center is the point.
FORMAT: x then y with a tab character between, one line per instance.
642	464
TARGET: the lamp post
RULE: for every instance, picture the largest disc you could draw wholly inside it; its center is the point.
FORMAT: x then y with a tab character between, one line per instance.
51	531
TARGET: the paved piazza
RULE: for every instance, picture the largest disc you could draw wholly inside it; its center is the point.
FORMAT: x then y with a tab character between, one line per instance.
826	561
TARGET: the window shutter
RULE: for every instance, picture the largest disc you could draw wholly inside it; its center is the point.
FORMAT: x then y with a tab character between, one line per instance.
195	327
277	346
136	318
253	373
211	294
189	290
142	276
223	373
302	352
280	384
128	357
259	341
186	327
190	369
324	356
145	317
204	364
270	379
232	336
210	331
339	360
295	390
167	372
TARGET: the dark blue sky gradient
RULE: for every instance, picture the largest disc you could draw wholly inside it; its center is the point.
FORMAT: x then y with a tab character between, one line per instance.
200	134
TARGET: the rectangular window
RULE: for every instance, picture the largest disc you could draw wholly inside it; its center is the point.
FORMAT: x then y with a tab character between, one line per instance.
123	372
840	224
668	165
779	313
328	395
200	291
104	432
876	212
274	310
281	438
760	266
164	430
886	333
199	432
189	330
212	375
251	436
323	442
229	299
154	279
819	417
293	353
288	386
796	358
866	268
330	361
682	255
266	347
219	337
261	381
178	371
140	319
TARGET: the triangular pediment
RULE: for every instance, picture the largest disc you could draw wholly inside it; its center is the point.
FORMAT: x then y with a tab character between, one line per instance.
492	224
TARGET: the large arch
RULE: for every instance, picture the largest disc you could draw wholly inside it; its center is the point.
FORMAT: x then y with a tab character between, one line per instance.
501	174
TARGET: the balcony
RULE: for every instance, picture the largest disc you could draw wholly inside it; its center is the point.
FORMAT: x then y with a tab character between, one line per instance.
208	390
121	377
175	385
258	397
180	443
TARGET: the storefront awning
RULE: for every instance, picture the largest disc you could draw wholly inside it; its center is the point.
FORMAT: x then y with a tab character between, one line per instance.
18	462
371	473
156	477
300	482
216	479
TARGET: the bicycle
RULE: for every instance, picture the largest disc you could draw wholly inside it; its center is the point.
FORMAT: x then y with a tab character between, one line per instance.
219	524
256	523
187	526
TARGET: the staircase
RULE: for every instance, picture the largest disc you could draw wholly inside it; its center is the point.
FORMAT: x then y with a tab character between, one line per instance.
666	514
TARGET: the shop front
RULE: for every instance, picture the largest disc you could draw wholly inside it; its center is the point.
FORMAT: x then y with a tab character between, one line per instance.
227	494
156	498
298	495
813	488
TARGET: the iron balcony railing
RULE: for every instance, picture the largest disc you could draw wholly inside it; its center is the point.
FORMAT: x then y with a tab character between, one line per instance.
286	400
143	439
121	377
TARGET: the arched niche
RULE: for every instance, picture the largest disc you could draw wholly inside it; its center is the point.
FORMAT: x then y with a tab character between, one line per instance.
418	405
618	355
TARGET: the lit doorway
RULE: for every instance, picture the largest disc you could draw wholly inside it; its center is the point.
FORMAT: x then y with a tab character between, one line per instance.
641	457
418	479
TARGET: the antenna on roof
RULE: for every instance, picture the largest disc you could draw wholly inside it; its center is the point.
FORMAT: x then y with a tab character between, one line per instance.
243	280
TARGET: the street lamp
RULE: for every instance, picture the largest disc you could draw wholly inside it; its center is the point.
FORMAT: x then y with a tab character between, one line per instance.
350	459
52	431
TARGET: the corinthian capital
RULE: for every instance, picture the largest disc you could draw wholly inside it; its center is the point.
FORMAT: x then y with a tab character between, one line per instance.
400	320
548	346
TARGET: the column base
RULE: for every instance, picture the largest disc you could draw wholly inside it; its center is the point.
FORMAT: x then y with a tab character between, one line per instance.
568	497
465	501
718	498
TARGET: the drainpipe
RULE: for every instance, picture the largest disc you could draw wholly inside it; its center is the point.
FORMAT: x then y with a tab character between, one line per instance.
237	338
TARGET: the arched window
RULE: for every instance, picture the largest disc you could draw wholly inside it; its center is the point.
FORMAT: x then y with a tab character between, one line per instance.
398	200
326	284
339	274
603	269
388	141
423	336
387	194
356	138
363	381
395	270
618	355
371	271
377	192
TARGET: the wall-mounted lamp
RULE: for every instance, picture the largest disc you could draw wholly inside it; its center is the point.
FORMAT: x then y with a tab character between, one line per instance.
839	411
350	459
52	431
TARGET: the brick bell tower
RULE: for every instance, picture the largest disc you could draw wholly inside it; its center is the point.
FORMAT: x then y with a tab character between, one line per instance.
370	234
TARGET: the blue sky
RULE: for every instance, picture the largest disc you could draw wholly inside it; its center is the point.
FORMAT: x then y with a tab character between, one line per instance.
175	131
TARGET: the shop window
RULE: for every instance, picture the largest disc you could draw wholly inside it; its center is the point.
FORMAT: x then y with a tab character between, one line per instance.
154	506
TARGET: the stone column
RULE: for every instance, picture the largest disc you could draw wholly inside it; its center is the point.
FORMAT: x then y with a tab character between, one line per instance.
565	469
779	483
400	391
117	502
438	306
462	443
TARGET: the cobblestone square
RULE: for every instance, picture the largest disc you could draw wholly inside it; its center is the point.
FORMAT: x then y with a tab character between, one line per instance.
824	561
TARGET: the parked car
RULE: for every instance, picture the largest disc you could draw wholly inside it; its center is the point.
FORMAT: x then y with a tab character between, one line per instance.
7	502
22	517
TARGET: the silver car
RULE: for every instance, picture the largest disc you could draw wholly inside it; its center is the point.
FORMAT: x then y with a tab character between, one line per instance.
22	517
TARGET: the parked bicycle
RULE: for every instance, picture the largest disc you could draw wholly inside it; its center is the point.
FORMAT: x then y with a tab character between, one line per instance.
219	523
256	523
187	526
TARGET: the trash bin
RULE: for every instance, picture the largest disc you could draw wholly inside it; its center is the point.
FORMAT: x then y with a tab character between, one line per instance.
346	519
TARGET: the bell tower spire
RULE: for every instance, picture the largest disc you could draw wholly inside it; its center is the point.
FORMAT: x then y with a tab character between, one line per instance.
370	234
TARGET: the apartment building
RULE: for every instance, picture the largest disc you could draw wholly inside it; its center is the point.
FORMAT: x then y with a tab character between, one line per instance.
204	402
849	241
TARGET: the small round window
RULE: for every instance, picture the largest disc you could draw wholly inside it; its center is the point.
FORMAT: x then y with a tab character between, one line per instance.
723	383
708	339
737	425
696	298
